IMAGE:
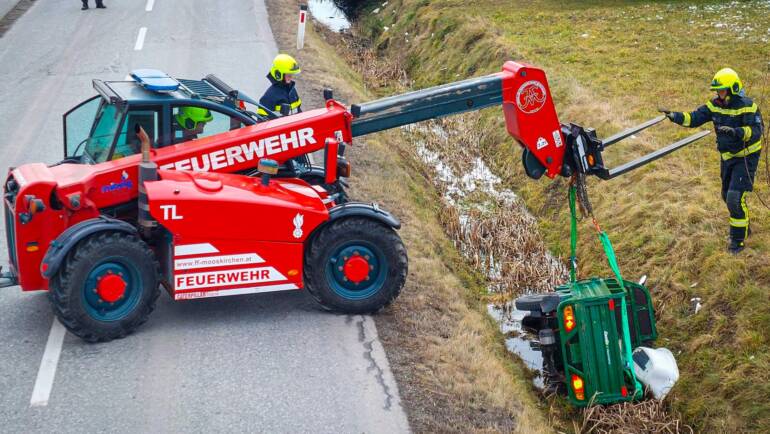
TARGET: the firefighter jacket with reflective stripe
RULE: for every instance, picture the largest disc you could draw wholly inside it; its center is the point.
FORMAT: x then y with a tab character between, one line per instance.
280	93
739	113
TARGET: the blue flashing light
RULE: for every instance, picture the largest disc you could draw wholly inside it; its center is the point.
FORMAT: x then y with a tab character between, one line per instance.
154	80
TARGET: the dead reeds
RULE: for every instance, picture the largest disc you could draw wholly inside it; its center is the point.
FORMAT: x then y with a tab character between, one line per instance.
489	225
631	418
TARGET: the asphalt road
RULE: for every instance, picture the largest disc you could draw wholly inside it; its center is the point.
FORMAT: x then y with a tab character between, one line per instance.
6	5
262	363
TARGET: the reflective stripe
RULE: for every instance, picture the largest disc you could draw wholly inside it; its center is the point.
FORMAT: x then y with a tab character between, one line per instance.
755	147
731	112
296	104
746	134
687	120
745	213
261	111
739	223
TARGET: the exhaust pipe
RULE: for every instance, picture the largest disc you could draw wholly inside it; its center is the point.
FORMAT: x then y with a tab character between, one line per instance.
148	171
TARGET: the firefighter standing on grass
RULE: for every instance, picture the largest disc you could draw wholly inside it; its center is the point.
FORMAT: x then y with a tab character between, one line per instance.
738	124
282	89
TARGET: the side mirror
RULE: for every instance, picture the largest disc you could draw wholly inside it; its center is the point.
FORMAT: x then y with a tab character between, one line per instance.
267	168
328	94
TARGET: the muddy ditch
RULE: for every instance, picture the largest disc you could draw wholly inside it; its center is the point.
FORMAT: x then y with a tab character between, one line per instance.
491	227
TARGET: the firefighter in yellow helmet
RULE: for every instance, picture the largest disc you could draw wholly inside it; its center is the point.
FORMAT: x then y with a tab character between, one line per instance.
190	122
282	88
738	124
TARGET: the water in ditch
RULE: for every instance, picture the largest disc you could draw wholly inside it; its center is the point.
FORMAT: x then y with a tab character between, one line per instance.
519	340
328	13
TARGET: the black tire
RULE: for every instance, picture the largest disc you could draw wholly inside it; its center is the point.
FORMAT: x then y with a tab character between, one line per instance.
79	306
335	247
535	302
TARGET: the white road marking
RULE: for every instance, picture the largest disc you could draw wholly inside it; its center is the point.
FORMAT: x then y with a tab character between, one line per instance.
47	371
150	4
140	39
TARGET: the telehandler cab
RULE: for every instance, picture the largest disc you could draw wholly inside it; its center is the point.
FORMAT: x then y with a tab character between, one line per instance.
103	229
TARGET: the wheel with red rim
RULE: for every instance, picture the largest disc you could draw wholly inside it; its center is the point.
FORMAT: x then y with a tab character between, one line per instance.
355	265
106	287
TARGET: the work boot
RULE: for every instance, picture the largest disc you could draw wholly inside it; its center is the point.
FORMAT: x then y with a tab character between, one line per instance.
736	246
100	5
85	5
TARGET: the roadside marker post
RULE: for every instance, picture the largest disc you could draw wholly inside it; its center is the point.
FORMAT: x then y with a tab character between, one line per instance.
301	26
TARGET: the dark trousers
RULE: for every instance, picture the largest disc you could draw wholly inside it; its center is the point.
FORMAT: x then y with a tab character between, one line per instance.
737	180
98	3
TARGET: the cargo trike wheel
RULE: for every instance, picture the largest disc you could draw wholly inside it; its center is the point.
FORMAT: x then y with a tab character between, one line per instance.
106	287
355	265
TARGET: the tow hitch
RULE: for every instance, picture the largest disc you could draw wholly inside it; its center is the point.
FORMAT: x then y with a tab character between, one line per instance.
7	278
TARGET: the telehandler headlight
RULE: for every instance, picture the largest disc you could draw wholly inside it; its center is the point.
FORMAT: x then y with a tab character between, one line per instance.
343	168
34	205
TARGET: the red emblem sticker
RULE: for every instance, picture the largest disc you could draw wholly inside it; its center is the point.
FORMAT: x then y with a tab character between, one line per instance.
531	97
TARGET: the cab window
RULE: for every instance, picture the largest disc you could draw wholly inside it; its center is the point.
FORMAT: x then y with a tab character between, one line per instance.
127	142
78	124
190	123
99	144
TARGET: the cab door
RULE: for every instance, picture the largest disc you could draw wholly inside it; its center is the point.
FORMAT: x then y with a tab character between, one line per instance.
78	125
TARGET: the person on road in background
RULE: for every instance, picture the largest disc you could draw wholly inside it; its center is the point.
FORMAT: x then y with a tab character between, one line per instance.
738	125
282	89
99	5
190	122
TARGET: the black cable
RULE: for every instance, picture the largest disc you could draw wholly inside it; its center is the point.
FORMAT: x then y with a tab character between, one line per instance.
767	169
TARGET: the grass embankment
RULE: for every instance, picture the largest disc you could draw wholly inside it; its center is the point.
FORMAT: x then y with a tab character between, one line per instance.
451	366
610	64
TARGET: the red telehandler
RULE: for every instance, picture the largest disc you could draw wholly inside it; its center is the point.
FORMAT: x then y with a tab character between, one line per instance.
104	229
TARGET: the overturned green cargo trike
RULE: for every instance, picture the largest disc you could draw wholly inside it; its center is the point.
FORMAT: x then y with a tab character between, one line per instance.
588	329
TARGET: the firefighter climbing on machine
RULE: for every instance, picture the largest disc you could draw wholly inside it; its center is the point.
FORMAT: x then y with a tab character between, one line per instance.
282	88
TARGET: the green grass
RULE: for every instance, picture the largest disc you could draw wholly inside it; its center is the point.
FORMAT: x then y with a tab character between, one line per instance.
610	65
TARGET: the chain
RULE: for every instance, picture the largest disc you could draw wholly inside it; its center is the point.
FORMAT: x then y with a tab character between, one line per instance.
581	190
586	209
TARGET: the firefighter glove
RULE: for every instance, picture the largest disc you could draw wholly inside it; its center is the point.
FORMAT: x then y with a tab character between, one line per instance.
728	131
669	114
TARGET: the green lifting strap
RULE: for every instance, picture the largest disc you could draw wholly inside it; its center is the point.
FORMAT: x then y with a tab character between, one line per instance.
572	236
613	261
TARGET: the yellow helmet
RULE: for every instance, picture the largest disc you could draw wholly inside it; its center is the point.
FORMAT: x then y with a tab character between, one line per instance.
189	117
727	79
284	64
